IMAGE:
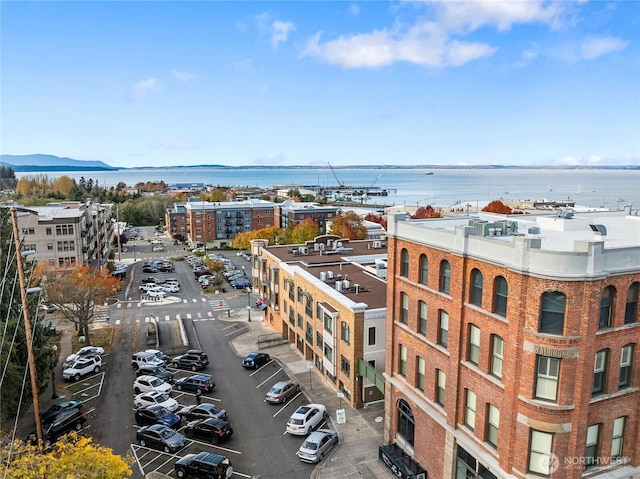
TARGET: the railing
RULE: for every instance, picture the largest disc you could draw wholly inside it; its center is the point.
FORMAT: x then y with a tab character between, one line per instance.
269	340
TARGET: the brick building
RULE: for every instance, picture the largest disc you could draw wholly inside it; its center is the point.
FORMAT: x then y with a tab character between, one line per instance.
295	212
512	345
328	298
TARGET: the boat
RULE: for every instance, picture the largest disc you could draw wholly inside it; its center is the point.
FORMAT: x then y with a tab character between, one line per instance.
429	173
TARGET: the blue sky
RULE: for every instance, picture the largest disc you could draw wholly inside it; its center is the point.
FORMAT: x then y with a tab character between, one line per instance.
159	83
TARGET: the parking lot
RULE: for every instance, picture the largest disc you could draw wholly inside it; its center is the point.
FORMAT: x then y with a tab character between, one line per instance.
259	446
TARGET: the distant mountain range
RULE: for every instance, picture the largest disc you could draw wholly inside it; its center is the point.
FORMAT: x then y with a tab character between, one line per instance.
22	163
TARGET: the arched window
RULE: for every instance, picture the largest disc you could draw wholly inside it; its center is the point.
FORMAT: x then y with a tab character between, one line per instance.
445	277
606	307
552	308
404	263
476	287
500	293
631	307
406	423
424	269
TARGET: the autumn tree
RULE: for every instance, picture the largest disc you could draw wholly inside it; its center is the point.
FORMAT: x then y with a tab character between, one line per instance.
64	185
300	233
348	225
426	212
76	291
218	195
497	206
72	456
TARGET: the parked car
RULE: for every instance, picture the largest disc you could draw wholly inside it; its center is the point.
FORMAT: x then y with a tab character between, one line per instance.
151	383
170	288
194	362
281	391
255	360
198	382
306	419
58	407
153	397
203	465
149	269
162	437
202	411
158	354
72	419
84	352
81	367
157	371
142	359
150	280
156	414
214	430
317	445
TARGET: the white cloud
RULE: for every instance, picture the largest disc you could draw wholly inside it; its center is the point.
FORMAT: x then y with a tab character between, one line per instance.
595	47
140	89
184	77
528	55
436	39
280	32
354	9
568	161
594	160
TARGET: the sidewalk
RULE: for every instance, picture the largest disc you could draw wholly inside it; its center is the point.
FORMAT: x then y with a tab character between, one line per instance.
356	456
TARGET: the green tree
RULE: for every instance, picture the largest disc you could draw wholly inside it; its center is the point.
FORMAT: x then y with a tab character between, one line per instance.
8	179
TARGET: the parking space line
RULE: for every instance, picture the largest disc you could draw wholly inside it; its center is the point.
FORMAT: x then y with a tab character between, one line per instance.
263	382
286	405
239	329
260	368
186	393
210	444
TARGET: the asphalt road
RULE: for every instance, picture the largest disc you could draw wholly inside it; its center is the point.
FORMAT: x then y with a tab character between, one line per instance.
259	447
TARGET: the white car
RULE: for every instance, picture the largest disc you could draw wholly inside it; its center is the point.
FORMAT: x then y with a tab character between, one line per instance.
170	288
152	398
82	366
306	418
156	293
85	352
151	383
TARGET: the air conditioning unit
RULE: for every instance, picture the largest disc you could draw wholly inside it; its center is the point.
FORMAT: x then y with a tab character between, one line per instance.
377	244
329	274
338	285
323	276
345	284
303	250
316	246
337	245
320	246
329	242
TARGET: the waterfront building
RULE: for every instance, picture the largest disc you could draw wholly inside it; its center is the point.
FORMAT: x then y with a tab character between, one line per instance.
68	232
512	345
295	212
327	298
215	224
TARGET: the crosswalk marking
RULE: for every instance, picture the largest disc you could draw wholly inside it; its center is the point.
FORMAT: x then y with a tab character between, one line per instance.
195	300
209	313
188	315
166	318
119	305
117	322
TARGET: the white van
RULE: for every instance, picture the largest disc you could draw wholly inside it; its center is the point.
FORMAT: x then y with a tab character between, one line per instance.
143	358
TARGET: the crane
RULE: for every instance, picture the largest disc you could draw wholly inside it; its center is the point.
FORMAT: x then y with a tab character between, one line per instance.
335	175
375	181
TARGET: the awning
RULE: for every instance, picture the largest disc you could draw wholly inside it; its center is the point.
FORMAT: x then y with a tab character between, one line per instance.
401	464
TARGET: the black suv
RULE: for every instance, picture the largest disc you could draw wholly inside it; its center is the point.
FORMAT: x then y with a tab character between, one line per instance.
204	465
62	424
212	429
193	359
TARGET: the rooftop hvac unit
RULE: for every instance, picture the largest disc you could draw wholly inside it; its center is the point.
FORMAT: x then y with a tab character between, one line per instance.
329	242
338	285
329	274
337	245
316	246
482	229
345	283
356	287
323	275
377	244
303	250
534	230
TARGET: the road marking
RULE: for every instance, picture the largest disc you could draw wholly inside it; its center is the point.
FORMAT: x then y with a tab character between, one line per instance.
286	405
195	300
199	315
137	320
188	315
117	322
166	318
184	300
263	382
119	305
210	314
204	300
146	319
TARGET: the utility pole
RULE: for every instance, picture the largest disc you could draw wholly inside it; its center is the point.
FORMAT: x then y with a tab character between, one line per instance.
27	329
118	223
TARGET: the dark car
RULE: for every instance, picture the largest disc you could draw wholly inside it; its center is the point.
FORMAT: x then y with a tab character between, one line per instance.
193	359
202	411
150	280
160	437
64	422
214	430
201	272
61	406
204	465
146	416
197	382
157	371
255	360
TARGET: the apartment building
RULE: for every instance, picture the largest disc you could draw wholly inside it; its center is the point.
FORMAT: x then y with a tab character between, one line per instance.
327	297
216	223
512	345
67	233
296	212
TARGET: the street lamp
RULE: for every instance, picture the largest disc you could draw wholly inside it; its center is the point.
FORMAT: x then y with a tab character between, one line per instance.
249	303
